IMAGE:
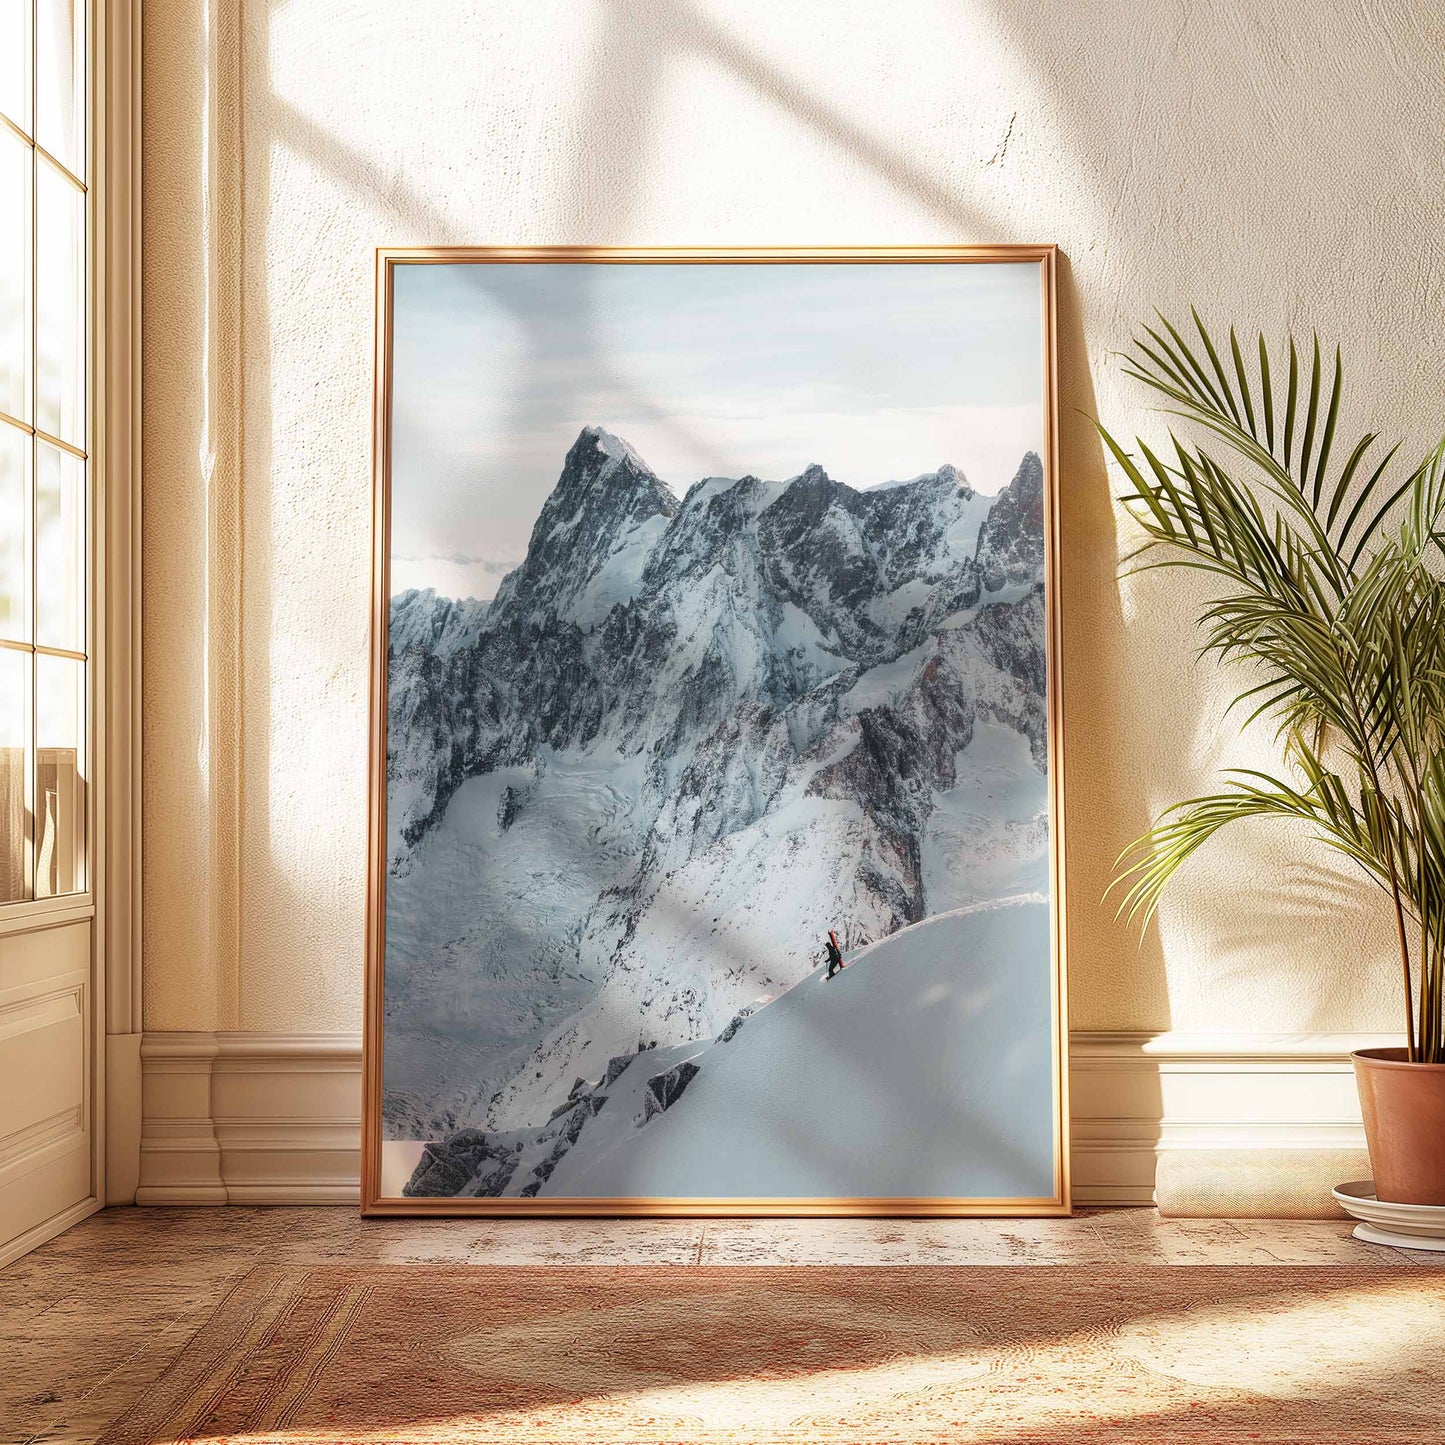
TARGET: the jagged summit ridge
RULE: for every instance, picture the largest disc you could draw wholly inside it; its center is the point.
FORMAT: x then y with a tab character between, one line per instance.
420	618
946	476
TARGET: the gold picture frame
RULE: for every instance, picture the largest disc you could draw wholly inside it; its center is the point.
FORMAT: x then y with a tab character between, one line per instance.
373	1201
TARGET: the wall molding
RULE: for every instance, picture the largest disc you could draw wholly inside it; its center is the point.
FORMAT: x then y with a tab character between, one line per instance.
1150	1110
250	1118
275	1118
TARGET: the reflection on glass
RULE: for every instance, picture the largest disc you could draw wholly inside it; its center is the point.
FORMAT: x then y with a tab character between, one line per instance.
14	534
59	307
59	48
59	776
59	549
14	724
14	57
15	163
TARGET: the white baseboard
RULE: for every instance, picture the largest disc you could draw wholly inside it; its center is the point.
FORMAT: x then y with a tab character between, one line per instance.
250	1118
47	1230
272	1118
1141	1102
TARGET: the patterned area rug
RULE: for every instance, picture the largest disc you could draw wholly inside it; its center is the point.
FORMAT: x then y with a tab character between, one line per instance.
647	1354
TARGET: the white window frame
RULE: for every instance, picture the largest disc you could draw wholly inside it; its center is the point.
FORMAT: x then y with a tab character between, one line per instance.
24	915
111	899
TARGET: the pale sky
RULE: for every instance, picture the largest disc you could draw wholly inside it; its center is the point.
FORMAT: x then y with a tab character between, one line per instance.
877	372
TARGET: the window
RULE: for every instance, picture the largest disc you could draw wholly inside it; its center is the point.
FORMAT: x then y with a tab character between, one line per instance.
44	466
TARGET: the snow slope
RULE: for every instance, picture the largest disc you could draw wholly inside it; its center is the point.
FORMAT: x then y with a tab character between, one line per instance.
923	1069
482	935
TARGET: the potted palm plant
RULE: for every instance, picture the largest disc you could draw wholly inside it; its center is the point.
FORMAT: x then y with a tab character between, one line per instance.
1324	559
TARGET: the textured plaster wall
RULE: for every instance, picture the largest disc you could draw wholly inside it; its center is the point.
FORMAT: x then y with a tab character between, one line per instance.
1278	162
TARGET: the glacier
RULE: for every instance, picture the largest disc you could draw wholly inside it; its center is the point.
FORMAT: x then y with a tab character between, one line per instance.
628	795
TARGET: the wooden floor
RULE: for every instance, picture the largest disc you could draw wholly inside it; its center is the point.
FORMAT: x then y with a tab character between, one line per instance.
88	1321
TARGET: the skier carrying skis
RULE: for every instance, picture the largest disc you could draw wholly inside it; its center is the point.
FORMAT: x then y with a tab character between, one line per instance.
835	956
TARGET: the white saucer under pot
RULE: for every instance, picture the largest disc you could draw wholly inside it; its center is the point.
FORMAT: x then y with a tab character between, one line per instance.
1404	1226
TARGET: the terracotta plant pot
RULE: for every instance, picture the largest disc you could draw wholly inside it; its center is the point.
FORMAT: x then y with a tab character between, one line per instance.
1404	1109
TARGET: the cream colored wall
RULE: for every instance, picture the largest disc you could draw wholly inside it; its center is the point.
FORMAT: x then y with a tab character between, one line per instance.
1279	163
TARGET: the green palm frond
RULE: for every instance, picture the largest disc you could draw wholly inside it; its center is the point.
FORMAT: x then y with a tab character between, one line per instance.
1327	591
1294	461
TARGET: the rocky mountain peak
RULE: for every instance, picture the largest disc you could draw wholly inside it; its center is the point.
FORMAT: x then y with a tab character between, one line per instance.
1028	482
609	443
946	480
949	476
607	504
602	469
806	497
1011	542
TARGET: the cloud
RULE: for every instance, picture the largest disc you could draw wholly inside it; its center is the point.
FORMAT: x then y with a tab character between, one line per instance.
452	576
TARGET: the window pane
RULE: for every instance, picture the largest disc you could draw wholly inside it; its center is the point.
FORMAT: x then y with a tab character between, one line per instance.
16	159
14	727
15	534
59	776
59	308
59	76
59	549
15	61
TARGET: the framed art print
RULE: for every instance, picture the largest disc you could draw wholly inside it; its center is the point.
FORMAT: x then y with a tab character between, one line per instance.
716	856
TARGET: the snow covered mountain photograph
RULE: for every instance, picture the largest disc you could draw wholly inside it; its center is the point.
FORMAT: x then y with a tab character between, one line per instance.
718	862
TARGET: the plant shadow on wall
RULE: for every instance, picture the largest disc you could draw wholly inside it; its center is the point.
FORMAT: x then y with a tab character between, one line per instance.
1326	594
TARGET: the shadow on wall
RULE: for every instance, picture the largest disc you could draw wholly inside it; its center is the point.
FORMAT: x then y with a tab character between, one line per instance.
1100	780
1264	923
